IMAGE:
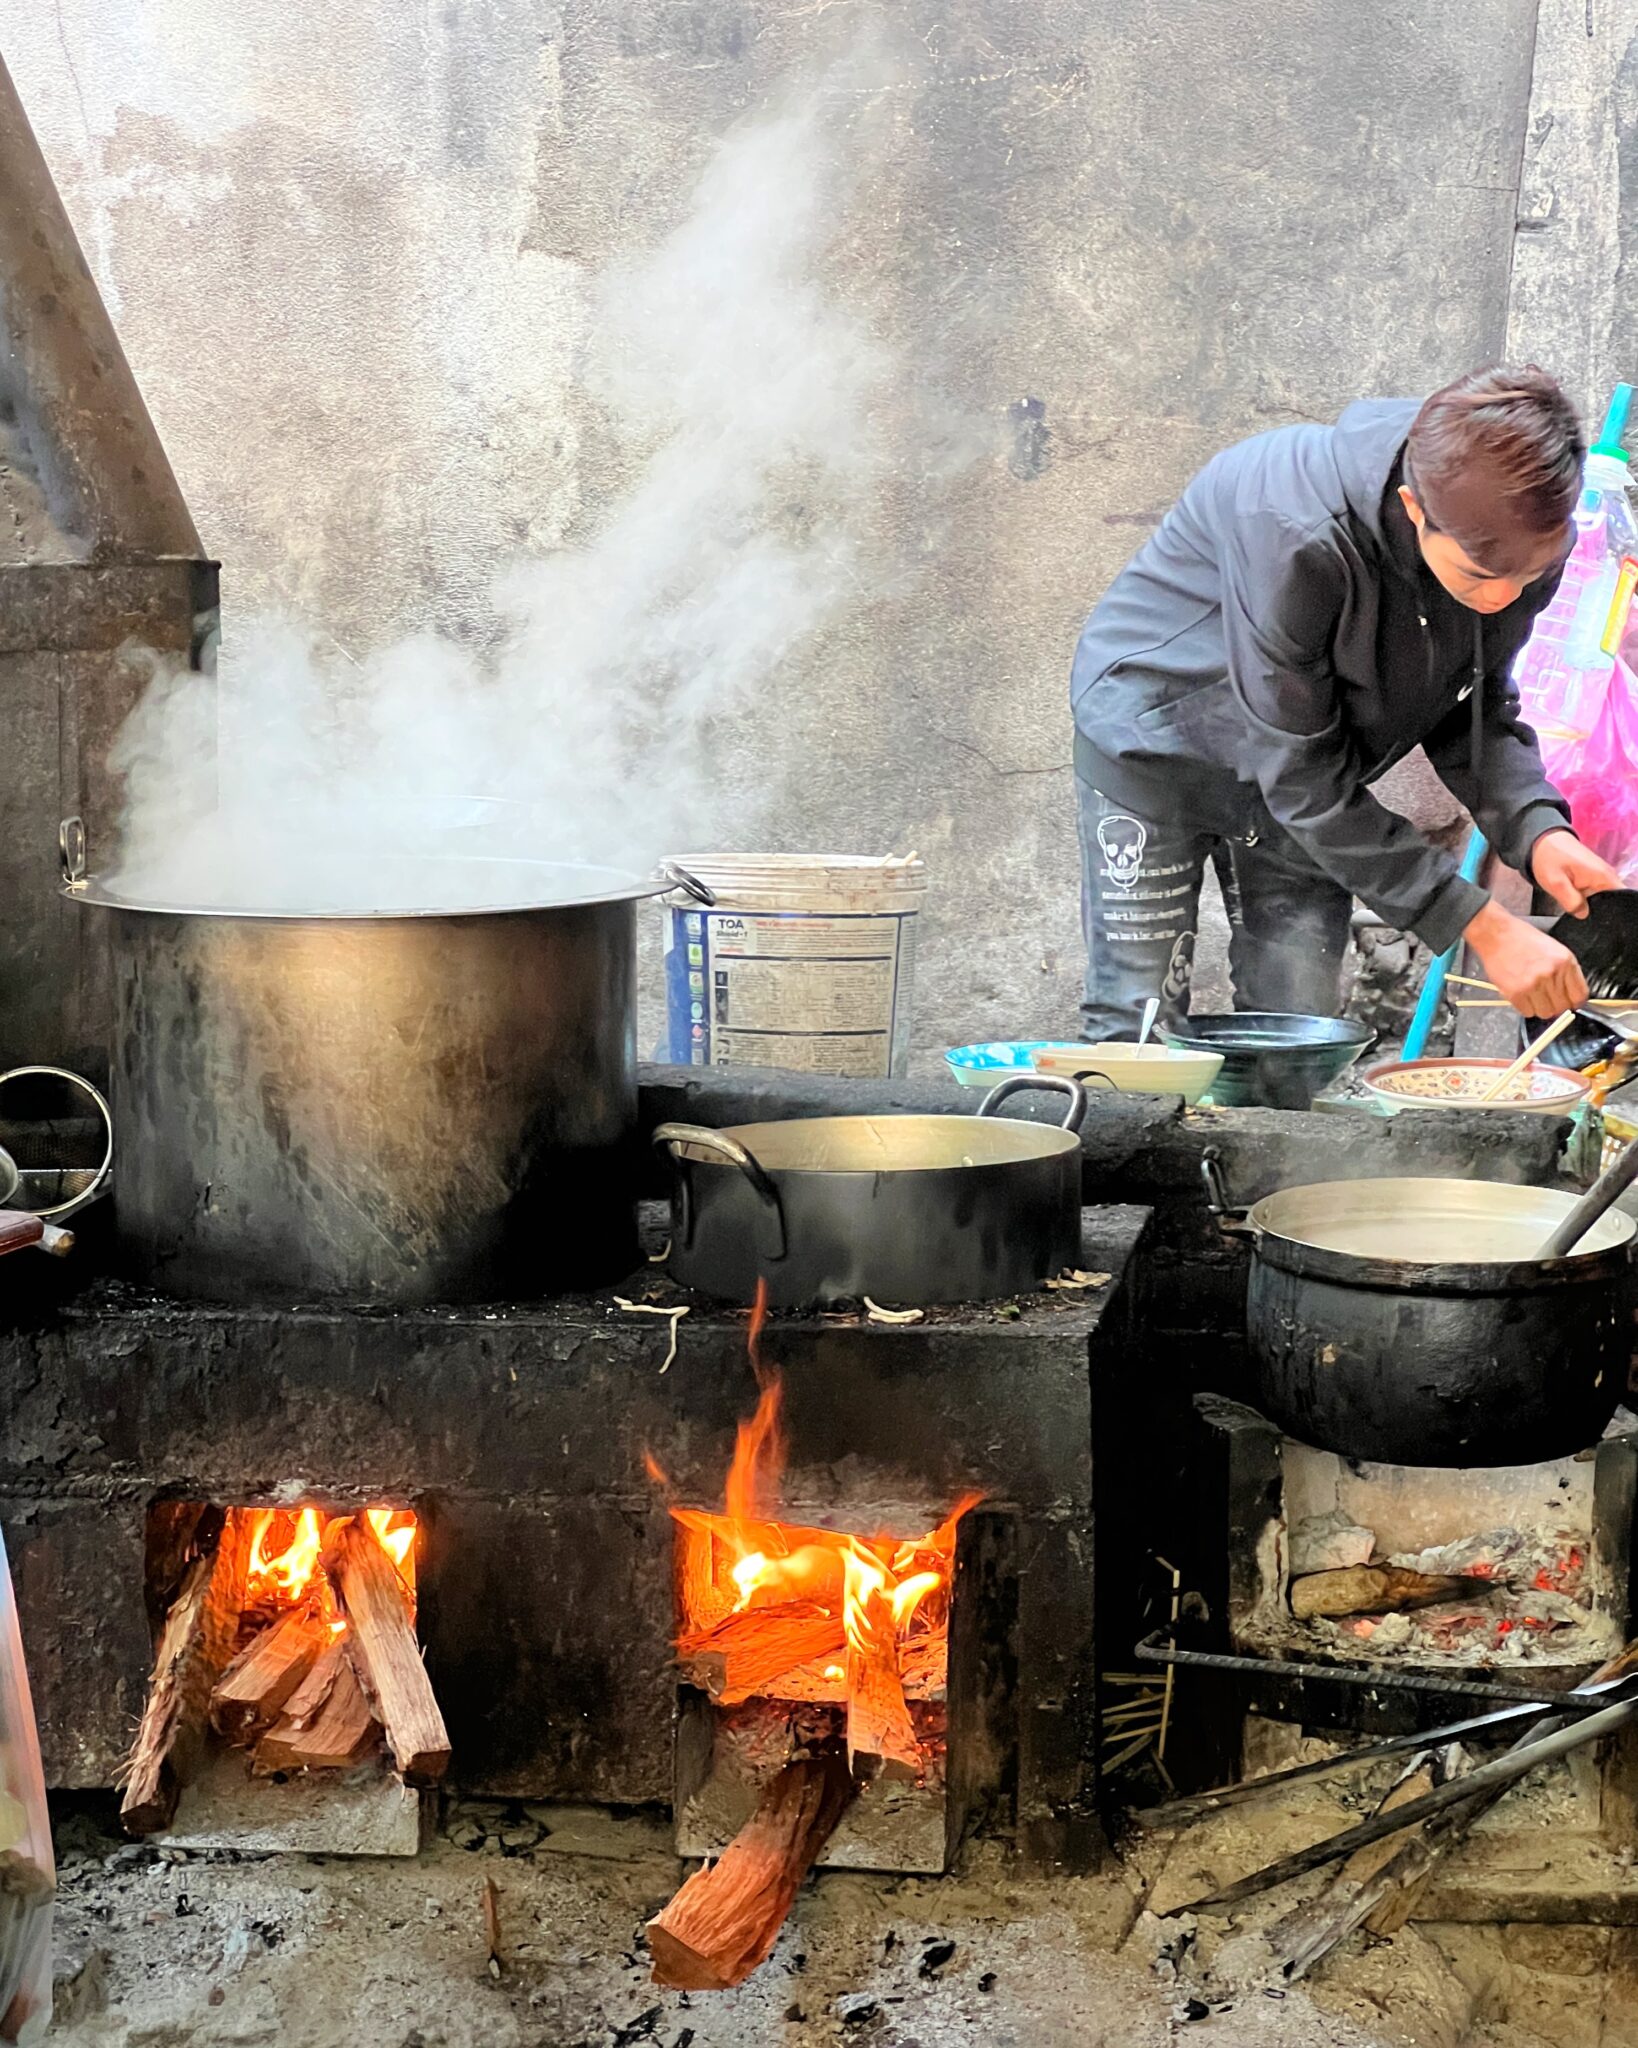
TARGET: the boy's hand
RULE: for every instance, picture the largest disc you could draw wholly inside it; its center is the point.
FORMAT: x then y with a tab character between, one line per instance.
1569	872
1538	976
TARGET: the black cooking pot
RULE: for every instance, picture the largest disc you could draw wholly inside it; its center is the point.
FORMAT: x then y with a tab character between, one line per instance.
1412	1322
1272	1059
909	1210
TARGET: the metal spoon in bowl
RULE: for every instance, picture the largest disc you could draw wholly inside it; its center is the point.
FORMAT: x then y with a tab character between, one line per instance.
1151	1010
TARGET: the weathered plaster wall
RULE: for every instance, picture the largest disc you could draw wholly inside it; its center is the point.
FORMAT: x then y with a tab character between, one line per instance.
348	247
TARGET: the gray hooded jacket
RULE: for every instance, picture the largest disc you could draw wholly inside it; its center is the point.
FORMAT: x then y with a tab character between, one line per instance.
1278	644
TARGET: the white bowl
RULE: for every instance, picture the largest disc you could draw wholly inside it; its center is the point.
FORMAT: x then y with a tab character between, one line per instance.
1133	1069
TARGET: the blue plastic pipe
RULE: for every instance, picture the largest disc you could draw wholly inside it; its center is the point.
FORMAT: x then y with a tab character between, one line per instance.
1427	1004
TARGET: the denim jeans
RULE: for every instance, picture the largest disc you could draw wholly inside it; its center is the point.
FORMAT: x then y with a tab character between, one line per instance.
1140	908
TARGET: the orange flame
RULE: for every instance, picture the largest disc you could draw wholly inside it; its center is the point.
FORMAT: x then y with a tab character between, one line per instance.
286	1573
745	1559
283	1572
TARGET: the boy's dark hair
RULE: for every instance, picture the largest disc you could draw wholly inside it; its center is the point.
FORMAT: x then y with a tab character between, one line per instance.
1494	460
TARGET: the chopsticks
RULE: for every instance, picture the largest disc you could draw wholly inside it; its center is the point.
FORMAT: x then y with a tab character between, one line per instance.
1505	1080
1468	1003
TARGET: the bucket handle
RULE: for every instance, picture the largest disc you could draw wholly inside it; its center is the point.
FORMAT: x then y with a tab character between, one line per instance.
688	885
674	1136
1231	1216
1058	1084
71	851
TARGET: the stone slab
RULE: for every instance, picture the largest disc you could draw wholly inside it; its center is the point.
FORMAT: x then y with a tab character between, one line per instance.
367	1812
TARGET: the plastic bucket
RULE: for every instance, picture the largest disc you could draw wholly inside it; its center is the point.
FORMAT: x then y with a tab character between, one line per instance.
805	962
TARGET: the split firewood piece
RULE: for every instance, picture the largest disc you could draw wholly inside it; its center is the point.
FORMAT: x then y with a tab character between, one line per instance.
382	1647
745	1653
879	1731
1375	1589
195	1646
327	1725
1369	1877
727	1917
252	1692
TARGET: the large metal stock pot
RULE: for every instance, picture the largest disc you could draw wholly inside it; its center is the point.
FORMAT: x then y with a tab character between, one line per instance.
1412	1321
410	1106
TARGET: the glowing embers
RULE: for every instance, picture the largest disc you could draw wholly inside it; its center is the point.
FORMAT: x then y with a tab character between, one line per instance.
289	1635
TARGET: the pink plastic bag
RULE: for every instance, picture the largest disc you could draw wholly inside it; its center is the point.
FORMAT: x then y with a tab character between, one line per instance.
1589	747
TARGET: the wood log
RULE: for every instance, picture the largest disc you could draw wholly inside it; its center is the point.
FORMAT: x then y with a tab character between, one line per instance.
328	1724
1376	1589
252	1692
195	1646
878	1721
727	1917
747	1653
382	1648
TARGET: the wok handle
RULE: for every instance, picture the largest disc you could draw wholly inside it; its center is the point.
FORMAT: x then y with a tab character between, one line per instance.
1610	1185
1231	1217
1058	1084
674	1136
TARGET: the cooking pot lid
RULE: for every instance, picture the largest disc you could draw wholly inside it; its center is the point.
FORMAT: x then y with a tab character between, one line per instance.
1430	1222
411	885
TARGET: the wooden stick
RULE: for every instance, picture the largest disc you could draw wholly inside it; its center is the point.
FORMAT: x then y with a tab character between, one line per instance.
194	1648
1531	1052
879	1731
1376	1589
1306	1936
251	1693
727	1917
746	1653
339	1730
383	1649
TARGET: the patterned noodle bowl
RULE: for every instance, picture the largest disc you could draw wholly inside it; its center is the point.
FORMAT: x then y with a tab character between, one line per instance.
1461	1084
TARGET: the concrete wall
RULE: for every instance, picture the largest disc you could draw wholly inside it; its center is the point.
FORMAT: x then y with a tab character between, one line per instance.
348	245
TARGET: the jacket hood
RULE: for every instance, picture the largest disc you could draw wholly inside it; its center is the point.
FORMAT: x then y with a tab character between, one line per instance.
1368	441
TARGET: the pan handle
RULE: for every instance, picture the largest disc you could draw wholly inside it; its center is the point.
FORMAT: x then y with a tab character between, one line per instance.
1058	1084
1231	1217
674	1136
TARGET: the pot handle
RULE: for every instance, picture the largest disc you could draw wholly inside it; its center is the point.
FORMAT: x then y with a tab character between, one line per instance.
71	851
1058	1084
689	885
1231	1218
674	1136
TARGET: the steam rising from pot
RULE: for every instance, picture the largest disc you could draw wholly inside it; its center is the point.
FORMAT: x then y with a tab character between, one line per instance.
580	731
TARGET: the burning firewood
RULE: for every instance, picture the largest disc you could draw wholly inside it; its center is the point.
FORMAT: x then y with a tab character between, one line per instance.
381	1645
745	1653
727	1917
194	1648
878	1721
327	1724
252	1691
1373	1589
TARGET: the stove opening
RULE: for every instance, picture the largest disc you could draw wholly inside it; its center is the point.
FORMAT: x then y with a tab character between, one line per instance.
814	1717
286	1649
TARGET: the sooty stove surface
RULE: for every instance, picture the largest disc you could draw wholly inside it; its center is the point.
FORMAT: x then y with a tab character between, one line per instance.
520	1437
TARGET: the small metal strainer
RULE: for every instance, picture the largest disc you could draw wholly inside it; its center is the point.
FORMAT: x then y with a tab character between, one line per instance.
59	1131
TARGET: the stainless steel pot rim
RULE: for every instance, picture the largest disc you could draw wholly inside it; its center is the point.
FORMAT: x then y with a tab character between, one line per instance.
830	1145
1305	1229
556	885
